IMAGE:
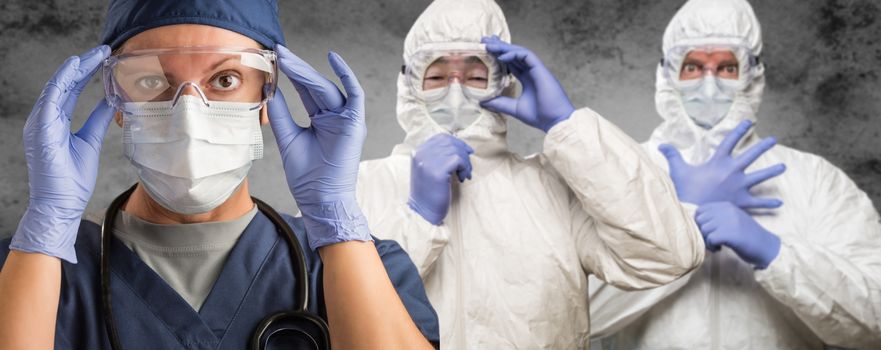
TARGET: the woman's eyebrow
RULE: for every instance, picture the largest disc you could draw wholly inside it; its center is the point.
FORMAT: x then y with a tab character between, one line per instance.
219	63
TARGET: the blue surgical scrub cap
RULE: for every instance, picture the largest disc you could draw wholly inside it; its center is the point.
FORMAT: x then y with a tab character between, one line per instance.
256	19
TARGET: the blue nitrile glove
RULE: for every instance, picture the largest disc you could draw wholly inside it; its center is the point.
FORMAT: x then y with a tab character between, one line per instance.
543	102
62	166
321	161
723	223
722	177
431	171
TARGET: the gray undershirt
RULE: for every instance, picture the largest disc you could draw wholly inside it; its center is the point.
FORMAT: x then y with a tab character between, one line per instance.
189	257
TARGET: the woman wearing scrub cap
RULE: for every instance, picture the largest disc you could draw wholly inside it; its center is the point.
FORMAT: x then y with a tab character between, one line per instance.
187	259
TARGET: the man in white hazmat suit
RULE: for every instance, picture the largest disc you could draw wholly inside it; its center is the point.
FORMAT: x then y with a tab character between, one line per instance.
796	260
504	244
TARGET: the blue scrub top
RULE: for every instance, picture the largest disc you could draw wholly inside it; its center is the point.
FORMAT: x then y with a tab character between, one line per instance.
256	281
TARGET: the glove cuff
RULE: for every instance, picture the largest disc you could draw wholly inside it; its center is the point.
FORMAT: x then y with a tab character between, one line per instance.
49	231
334	222
557	120
432	217
773	241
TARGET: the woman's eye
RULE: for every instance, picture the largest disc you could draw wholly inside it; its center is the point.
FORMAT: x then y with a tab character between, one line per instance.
691	67
225	82
477	78
730	69
151	83
434	78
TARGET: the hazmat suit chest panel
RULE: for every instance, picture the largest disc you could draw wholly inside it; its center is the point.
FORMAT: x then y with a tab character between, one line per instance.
508	274
724	305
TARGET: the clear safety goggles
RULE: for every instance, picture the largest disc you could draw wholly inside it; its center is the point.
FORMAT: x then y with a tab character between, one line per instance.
430	72
210	73
686	72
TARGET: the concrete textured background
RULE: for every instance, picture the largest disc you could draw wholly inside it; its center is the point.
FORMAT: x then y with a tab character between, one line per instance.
823	59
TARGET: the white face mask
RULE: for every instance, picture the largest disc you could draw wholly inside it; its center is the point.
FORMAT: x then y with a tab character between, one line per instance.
708	100
191	157
454	112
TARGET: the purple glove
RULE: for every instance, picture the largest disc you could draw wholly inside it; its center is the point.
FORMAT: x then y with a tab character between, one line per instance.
321	161
722	177
723	223
431	171
62	166
543	102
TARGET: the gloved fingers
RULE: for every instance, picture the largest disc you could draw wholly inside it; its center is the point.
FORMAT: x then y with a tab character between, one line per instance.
283	126
455	147
700	209
465	172
302	91
761	203
89	64
324	93
306	97
709	208
501	104
759	176
750	155
95	127
498	48
708	226
463	169
55	94
354	92
510	53
702	217
730	141
454	163
515	58
519	69
714	242
674	158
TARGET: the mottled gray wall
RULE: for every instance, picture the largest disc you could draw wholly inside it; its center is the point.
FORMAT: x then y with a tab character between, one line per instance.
823	58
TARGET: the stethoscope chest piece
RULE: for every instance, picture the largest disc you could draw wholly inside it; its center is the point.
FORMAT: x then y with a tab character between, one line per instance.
294	329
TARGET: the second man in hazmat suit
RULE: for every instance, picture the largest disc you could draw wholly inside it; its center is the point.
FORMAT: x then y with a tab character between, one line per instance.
796	255
505	244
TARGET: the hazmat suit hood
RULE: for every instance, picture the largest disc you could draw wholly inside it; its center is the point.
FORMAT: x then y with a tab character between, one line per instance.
446	21
708	22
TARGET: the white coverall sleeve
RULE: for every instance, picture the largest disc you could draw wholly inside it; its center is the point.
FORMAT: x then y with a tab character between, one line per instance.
613	309
830	276
389	217
630	228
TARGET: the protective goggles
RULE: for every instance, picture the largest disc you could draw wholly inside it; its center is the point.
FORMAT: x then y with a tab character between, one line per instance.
431	70
210	73
733	65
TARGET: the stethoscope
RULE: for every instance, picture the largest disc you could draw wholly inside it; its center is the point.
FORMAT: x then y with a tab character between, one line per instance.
299	326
